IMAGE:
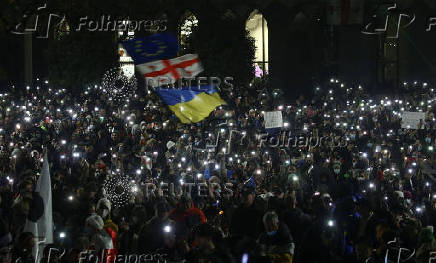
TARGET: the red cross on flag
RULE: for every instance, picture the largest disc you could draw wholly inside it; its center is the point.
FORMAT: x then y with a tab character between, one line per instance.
147	161
345	12
168	71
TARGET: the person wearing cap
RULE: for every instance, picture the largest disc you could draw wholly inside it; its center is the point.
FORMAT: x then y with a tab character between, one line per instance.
100	239
246	219
103	209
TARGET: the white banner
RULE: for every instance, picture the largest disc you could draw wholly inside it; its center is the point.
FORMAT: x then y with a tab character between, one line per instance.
273	119
410	120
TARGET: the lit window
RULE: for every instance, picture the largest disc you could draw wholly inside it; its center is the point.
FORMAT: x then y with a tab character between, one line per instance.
126	62
187	24
258	29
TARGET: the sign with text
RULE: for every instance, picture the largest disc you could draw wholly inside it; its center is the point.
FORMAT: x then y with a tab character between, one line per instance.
273	119
410	120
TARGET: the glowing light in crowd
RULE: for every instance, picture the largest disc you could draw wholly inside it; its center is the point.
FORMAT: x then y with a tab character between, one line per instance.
167	229
118	189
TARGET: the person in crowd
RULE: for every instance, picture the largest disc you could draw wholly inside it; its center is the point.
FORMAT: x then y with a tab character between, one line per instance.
22	251
246	219
151	236
276	241
345	176
186	216
101	241
206	247
293	216
104	211
172	249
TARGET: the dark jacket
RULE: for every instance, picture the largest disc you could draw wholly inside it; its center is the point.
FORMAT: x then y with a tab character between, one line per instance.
281	241
246	221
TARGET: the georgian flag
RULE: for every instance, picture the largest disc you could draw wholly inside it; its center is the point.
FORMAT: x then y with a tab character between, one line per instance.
345	12
168	71
147	161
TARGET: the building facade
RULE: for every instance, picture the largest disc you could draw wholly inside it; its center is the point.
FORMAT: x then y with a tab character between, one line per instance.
296	44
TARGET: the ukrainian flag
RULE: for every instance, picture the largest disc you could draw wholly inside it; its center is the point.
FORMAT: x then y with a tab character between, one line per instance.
191	104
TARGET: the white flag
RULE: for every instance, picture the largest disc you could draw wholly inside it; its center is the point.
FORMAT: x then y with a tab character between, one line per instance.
168	71
42	228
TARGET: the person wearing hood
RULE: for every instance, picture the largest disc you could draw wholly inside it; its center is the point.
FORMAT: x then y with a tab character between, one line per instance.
104	210
100	239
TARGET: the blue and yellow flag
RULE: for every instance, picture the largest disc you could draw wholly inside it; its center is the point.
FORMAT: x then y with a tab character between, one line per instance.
191	104
155	47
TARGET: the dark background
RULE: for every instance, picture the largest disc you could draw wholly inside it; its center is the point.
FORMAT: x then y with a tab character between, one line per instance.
303	49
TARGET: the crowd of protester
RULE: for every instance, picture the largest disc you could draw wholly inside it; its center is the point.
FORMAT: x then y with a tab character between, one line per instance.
364	194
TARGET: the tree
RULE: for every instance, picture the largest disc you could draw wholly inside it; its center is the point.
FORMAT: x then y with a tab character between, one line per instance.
77	58
225	50
81	58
